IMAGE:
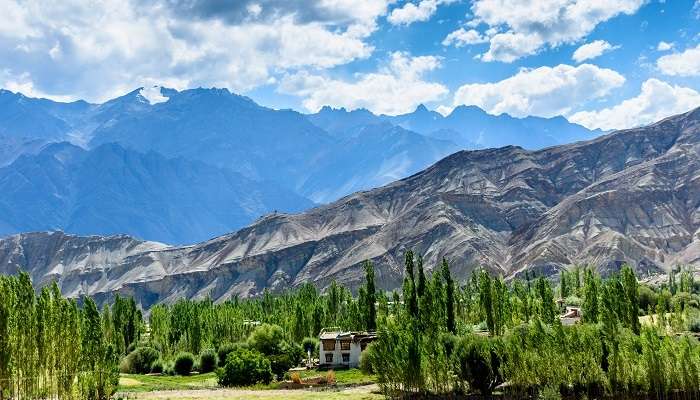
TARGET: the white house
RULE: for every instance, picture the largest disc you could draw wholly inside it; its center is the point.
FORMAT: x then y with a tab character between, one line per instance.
342	349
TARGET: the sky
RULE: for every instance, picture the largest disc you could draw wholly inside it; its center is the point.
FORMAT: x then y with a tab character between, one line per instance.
604	64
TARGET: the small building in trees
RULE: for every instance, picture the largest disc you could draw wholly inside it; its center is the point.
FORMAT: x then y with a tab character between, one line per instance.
342	349
571	316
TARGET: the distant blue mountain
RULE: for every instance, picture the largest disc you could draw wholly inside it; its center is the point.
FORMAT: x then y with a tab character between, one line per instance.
469	127
112	190
372	156
234	158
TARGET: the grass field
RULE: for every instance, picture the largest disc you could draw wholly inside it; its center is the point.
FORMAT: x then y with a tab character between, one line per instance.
350	384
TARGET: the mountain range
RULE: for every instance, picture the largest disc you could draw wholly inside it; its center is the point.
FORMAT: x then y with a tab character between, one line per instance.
631	196
246	160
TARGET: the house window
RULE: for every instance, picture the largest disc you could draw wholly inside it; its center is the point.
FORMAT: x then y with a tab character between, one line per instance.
346	357
329	357
344	345
328	345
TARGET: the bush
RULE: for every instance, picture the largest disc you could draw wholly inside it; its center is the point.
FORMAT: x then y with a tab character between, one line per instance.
310	344
168	369
244	367
139	361
290	355
479	363
330	377
267	339
157	367
367	358
694	326
226	348
207	361
183	364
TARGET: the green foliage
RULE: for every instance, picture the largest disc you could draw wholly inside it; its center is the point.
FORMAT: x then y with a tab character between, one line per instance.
243	368
310	345
478	363
51	347
140	360
157	366
267	339
226	348
207	361
183	363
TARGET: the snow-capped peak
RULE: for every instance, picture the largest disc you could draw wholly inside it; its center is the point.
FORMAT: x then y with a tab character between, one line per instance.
153	95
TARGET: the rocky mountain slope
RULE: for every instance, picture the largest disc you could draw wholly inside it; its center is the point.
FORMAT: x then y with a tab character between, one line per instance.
631	196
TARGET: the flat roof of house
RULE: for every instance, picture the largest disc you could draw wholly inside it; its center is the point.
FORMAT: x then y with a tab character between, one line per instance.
335	335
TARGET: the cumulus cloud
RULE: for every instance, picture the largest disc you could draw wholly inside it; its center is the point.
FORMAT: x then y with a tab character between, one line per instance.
657	100
396	88
96	50
592	50
686	63
462	37
412	12
543	91
664	46
525	27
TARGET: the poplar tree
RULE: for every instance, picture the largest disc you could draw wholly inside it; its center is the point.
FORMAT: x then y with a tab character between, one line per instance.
449	297
371	313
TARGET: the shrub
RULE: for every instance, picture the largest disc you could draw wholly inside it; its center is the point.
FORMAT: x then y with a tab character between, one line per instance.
168	369
330	377
367	358
207	361
479	363
244	367
157	367
267	339
310	344
183	363
694	326
290	355
140	360
226	348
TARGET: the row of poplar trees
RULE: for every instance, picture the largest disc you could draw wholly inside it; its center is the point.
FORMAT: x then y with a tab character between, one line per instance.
50	347
489	335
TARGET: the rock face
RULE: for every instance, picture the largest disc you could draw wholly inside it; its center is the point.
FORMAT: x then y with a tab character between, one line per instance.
632	196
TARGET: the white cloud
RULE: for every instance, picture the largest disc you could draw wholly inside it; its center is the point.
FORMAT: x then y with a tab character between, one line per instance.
544	91
396	88
96	50
657	100
526	27
686	63
410	12
592	50
462	37
664	46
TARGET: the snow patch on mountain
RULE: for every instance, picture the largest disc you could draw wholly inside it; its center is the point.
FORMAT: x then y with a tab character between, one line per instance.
153	95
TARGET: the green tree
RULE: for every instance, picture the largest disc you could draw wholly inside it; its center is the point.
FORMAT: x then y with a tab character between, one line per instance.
371	321
449	297
590	297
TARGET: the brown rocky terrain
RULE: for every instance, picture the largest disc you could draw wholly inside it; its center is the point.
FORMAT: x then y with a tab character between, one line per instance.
631	196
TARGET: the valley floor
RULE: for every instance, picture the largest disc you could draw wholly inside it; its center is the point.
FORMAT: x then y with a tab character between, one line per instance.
351	385
365	392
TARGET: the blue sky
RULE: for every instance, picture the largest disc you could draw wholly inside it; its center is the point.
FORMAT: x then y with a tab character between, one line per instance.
611	64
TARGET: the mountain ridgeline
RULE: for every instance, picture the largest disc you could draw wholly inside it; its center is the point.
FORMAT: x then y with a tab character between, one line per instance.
632	196
246	160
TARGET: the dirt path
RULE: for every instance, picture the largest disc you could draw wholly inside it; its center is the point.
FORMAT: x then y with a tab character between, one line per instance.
366	392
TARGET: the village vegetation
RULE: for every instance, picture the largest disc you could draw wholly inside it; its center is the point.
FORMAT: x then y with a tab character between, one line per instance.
583	337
